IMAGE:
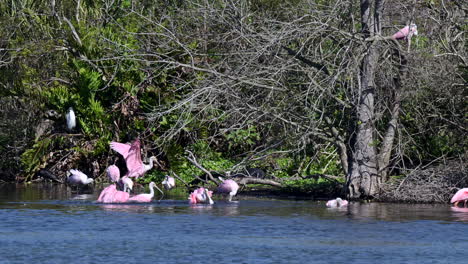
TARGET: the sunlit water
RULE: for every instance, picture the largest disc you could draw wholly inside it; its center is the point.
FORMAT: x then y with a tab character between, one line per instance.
49	224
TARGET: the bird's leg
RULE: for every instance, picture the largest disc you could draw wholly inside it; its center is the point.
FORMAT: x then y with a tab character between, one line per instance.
464	204
456	203
230	197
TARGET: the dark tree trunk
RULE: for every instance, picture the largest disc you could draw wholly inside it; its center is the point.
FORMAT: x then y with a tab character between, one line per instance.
362	178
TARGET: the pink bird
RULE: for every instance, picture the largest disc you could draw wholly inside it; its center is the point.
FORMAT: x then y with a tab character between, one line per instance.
201	195
406	32
338	202
169	182
124	184
228	187
145	197
110	194
132	155
460	196
113	173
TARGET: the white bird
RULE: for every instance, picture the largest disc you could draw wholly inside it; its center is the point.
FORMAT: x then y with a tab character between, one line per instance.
78	178
71	119
169	182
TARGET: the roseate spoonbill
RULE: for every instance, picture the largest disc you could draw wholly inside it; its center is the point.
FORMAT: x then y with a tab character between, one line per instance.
71	119
201	195
113	173
406	32
228	187
110	194
460	196
145	197
338	202
169	182
132	155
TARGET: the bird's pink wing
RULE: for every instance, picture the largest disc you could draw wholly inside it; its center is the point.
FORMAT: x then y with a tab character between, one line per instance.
133	158
107	195
402	33
121	197
121	148
461	195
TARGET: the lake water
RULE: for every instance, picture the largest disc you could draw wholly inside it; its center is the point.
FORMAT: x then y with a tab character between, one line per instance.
48	224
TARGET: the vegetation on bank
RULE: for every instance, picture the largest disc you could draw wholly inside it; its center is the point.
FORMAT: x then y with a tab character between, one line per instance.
273	85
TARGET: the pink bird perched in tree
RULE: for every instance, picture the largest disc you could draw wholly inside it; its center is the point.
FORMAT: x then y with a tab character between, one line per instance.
169	182
132	155
460	196
338	202
201	195
406	32
145	197
228	187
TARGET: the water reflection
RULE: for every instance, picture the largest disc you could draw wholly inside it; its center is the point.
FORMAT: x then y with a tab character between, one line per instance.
39	224
460	213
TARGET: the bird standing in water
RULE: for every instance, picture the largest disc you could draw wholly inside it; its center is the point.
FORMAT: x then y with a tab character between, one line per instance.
201	195
78	179
169	182
228	187
338	202
145	197
460	196
71	119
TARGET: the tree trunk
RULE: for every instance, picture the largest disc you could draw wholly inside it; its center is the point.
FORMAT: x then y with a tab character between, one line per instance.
362	178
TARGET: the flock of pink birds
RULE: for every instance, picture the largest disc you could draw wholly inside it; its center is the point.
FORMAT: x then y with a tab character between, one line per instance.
119	190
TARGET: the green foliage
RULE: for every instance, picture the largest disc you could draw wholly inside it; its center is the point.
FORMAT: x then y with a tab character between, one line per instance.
242	139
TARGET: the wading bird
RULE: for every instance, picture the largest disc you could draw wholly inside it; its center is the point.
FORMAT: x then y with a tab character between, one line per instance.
338	202
124	184
228	187
71	119
460	196
113	173
132	155
78	178
406	32
201	195
145	197
110	194
169	182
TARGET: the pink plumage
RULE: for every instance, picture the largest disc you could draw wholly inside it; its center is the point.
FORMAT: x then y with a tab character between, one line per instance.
338	202
228	187
406	32
110	194
201	195
132	155
113	173
460	196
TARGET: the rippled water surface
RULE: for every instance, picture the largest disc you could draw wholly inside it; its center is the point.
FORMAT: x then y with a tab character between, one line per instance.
49	224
